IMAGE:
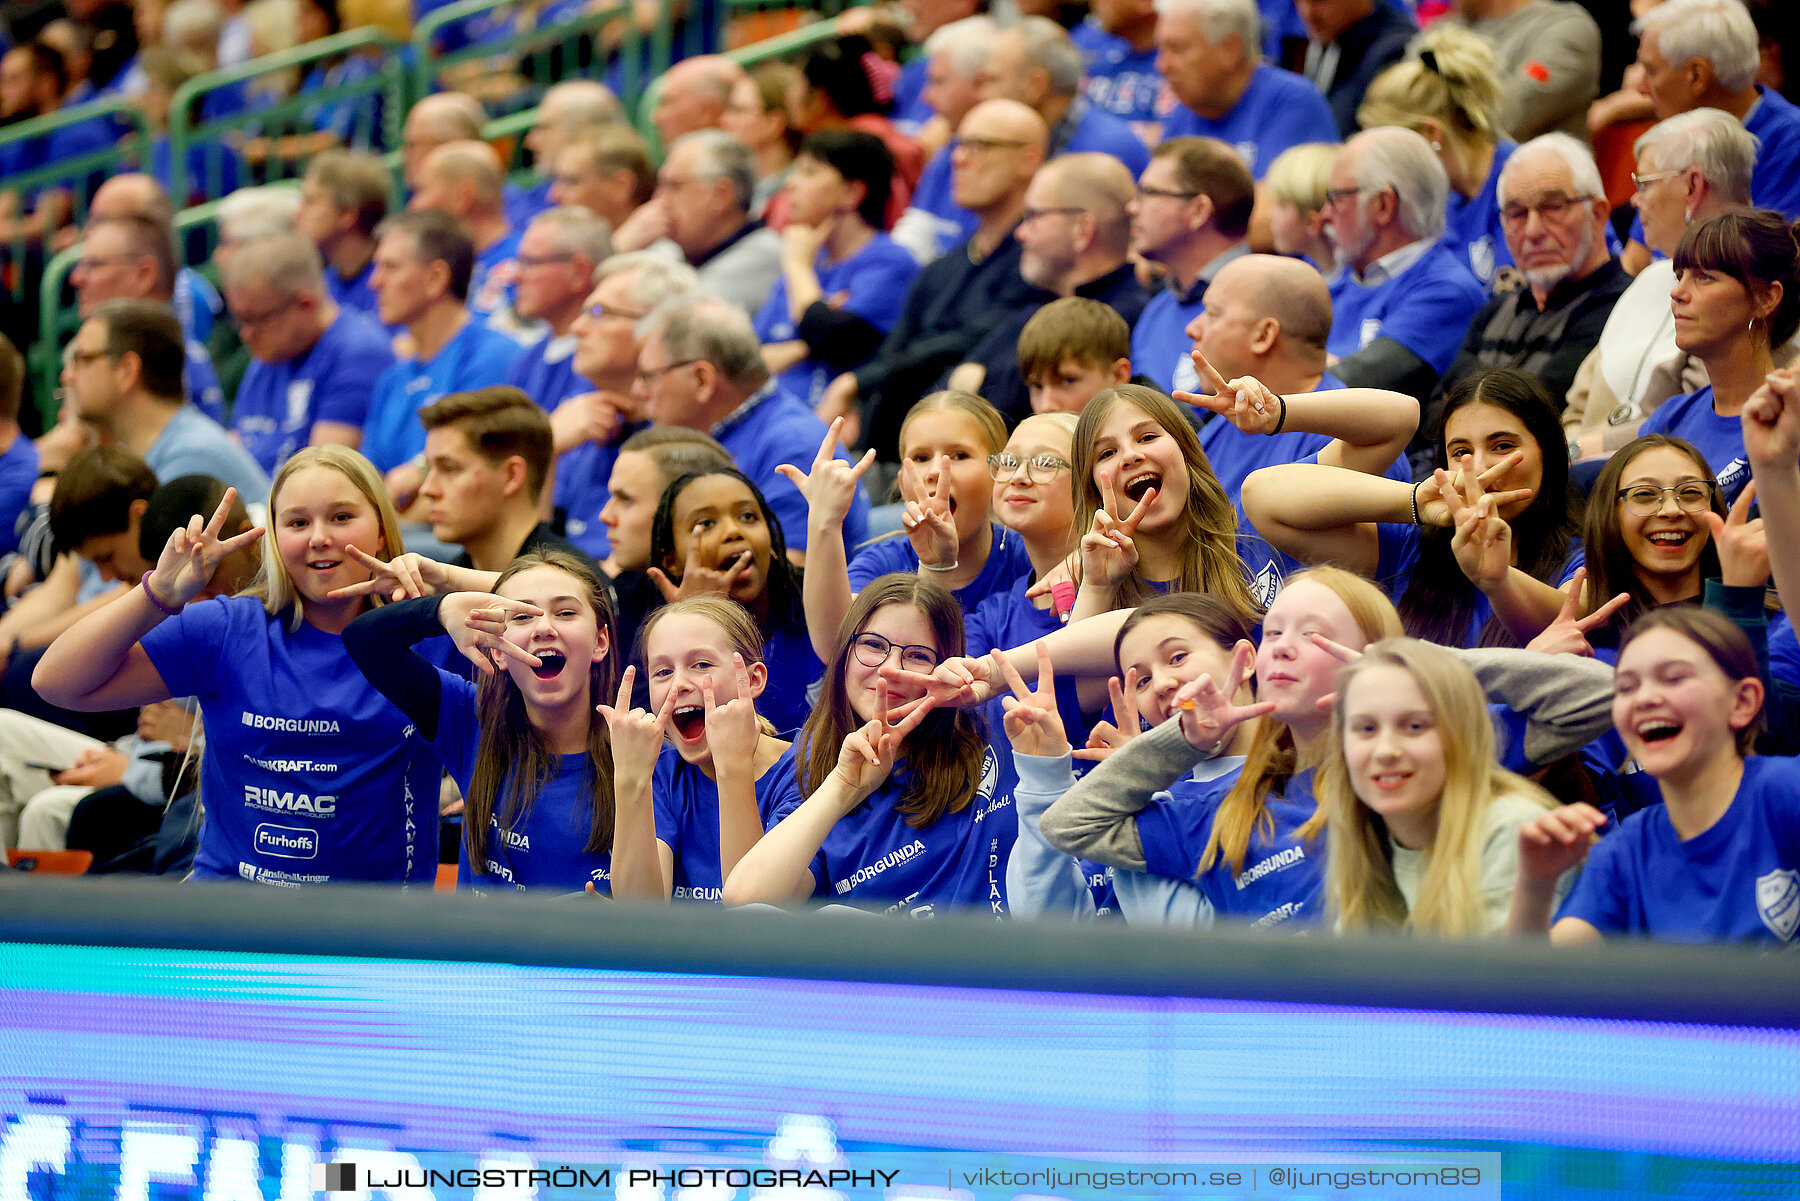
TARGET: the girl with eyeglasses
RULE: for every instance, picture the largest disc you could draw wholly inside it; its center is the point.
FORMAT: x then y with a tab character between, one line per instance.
906	813
950	534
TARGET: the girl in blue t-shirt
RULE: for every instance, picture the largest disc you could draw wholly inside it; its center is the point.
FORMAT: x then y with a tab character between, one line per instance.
1500	455
714	533
900	812
522	741
310	774
1033	497
1167	642
1145	487
1424	822
1246	839
1719	859
945	444
714	772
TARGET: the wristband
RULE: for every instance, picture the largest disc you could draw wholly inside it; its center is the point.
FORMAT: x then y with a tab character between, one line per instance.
1281	420
154	599
929	567
1415	503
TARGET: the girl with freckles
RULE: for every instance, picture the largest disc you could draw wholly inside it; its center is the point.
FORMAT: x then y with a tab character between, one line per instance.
524	742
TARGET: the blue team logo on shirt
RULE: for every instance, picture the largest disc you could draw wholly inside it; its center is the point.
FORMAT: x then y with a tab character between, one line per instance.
1735	475
288	842
1778	902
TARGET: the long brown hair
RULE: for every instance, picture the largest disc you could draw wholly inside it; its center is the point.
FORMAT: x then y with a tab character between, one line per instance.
514	755
1610	567
1211	562
1273	759
946	752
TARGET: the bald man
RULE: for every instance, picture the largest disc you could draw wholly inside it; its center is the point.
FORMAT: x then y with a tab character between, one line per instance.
437	120
571	111
963	296
1269	317
467	180
694	95
1074	239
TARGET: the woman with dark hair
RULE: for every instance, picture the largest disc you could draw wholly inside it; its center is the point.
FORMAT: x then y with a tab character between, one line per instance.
715	533
845	84
843	282
1736	302
1501	460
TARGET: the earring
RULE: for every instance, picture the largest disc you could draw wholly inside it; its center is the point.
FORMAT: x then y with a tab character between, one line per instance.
1436	146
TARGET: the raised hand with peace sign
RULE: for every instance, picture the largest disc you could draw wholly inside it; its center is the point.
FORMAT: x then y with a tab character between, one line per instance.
1032	721
1108	553
1209	713
1742	543
869	754
927	519
1567	635
1245	402
193	553
1105	737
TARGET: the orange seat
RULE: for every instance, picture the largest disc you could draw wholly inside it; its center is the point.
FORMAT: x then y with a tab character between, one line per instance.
446	878
53	863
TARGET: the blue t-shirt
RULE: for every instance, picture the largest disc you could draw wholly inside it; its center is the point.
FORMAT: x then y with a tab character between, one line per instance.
687	817
1775	180
935	195
1738	881
1007	564
310	775
476	357
355	121
794	674
211	169
582	475
496	275
776	430
1278	110
1120	80
873	283
1427	308
1784	649
1159	340
545	845
194	444
525	204
18	472
1284	876
354	293
873	858
545	371
1472	226
278	403
1101	132
910	111
1720	439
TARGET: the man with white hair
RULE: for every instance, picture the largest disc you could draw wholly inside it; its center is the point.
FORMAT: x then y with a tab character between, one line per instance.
1553	210
588	427
1703	54
701	366
955	56
313	362
570	111
1118	40
558	255
913	108
1210	52
467	180
1546	57
1402	300
701	213
1034	62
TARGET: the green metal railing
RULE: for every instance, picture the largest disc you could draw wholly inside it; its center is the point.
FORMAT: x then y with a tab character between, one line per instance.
386	88
540	56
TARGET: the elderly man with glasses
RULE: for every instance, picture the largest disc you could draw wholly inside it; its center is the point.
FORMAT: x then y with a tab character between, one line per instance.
1402	300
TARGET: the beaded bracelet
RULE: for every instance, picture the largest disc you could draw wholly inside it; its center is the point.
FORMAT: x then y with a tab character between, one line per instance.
154	599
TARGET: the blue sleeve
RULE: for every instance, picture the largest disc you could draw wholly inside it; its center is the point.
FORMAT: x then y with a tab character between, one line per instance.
1598	897
774	309
1434	319
379	444
347	390
1398	551
877	289
18	472
665	803
492	364
186	649
1172	844
1041	881
778	792
879	559
458	729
